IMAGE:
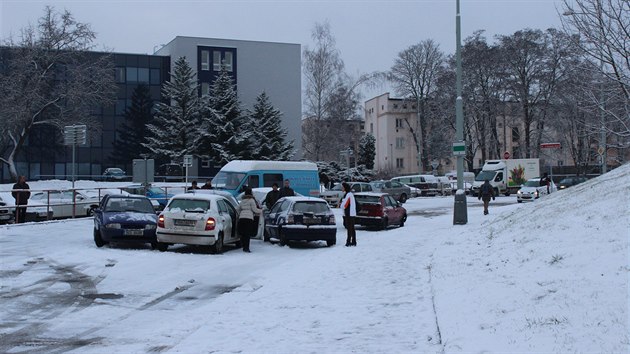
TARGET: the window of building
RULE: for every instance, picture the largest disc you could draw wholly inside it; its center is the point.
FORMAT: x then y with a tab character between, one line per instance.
216	60
120	75
560	163
205	60
228	61
400	163
400	123
205	88
205	163
515	134
400	143
132	74
395	105
372	128
143	75
155	76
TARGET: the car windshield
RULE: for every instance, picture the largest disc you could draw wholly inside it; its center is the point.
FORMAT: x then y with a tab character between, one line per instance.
368	199
310	207
129	205
228	180
485	175
532	183
189	205
378	184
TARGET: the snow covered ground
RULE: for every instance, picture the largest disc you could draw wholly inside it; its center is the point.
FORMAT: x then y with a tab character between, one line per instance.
547	276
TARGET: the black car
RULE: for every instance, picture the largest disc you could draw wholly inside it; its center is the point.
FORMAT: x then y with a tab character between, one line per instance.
120	218
571	181
114	174
301	219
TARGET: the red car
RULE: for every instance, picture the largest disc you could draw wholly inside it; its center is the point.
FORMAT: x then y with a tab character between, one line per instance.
379	210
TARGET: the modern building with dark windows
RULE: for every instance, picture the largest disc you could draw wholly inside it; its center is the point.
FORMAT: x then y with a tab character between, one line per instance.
274	68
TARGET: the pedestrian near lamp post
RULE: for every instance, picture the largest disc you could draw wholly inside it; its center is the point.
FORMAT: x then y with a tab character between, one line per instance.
21	199
485	193
349	206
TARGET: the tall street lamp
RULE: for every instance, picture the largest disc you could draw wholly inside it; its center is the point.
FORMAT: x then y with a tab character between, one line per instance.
460	212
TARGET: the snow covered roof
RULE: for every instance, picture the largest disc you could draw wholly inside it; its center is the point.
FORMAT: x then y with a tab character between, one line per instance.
252	165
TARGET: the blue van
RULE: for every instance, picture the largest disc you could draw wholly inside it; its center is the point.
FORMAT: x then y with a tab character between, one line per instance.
303	176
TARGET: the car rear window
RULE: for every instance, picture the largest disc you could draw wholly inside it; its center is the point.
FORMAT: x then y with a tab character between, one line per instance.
311	207
129	205
192	205
368	199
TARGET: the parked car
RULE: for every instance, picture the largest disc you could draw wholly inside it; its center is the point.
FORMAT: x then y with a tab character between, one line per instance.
444	185
301	219
334	195
114	174
152	192
170	172
414	192
63	202
35	211
533	189
121	218
571	181
428	184
396	189
6	213
379	210
198	219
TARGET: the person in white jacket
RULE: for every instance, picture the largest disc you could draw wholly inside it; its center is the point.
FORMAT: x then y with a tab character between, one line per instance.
349	206
247	209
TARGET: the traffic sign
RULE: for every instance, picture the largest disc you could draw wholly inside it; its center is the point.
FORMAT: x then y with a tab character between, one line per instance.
188	160
506	155
459	148
74	134
550	146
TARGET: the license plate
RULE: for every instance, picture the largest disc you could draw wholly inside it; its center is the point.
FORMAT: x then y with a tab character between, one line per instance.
133	232
363	212
182	222
311	221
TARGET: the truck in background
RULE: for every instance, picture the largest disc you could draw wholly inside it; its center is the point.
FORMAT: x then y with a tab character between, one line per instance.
303	176
506	176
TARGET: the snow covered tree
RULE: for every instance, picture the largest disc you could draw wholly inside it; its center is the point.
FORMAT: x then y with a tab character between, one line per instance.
132	134
48	78
225	134
269	136
174	131
367	151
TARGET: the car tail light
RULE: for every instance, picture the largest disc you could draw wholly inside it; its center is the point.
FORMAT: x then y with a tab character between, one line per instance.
161	221
210	224
290	219
331	220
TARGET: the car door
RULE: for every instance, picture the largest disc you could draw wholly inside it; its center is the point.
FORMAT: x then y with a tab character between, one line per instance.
391	210
271	220
227	219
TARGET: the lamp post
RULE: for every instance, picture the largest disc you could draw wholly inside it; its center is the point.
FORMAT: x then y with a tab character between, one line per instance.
460	212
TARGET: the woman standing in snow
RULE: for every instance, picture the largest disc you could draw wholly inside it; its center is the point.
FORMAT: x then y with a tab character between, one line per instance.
349	206
246	211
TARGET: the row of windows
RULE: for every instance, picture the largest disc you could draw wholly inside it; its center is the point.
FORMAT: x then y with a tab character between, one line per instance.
227	60
138	75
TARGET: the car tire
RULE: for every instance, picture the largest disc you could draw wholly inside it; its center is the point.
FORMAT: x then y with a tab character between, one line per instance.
266	236
402	220
161	246
98	239
403	198
153	245
282	238
519	201
90	211
332	242
384	224
217	248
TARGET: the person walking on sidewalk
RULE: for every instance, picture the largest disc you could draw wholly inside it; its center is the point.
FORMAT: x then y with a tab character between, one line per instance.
349	206
485	193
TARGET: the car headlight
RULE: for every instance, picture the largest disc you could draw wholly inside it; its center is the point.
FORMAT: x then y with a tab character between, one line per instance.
519	193
113	226
150	227
536	193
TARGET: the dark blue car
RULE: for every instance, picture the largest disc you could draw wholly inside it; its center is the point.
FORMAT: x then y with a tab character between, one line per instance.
120	218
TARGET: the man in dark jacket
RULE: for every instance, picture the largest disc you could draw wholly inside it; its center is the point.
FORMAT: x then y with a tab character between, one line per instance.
207	185
272	197
486	192
21	199
286	191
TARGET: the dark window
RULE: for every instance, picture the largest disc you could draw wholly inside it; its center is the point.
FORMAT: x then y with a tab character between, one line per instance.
132	74
270	178
155	76
515	134
253	181
120	75
143	75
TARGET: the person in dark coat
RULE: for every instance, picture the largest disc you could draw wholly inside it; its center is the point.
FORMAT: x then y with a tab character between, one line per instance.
286	191
207	185
193	186
546	181
272	197
485	193
21	199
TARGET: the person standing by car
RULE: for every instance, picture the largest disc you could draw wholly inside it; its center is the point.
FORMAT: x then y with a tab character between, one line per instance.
21	199
286	191
272	197
247	209
193	186
207	185
545	181
486	192
349	206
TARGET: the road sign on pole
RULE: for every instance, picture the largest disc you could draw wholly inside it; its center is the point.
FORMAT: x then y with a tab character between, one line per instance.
550	146
459	148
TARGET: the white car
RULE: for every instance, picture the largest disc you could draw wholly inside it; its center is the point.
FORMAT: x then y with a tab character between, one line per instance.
61	202
533	189
35	211
198	219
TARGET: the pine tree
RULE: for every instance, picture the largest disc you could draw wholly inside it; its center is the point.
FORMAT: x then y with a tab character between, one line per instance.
269	136
132	134
224	135
174	131
367	151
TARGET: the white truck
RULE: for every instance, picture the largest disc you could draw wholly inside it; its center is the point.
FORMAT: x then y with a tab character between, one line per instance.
506	176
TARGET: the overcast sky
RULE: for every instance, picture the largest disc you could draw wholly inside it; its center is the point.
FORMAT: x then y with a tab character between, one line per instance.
369	34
